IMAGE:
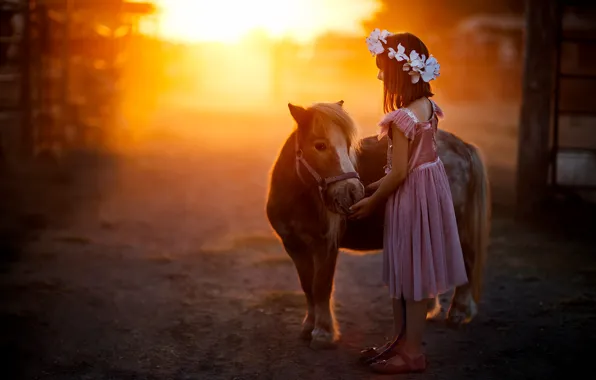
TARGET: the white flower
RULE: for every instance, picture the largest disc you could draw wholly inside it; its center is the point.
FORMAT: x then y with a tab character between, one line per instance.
391	53
415	76
417	66
375	34
374	46
415	61
375	41
431	69
400	55
414	56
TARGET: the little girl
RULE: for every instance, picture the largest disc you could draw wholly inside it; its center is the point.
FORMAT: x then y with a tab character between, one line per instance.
422	256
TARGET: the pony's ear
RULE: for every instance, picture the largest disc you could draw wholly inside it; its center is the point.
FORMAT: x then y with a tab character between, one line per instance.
340	103
298	113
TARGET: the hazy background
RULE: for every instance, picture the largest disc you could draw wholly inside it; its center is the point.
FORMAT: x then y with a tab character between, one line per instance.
224	85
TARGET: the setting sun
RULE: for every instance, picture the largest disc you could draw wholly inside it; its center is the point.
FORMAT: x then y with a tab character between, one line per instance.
228	21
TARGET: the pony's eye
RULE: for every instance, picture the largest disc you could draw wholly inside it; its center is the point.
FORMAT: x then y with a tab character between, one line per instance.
320	146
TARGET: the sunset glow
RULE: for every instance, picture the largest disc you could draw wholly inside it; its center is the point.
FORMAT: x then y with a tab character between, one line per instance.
228	21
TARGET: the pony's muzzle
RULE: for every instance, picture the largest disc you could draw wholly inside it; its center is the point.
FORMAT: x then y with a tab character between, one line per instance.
356	191
347	194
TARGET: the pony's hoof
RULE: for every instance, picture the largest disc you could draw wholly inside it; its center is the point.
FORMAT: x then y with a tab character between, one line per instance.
458	317
306	332
322	340
433	310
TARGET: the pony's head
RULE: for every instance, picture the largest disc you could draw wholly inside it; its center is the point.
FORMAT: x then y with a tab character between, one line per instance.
327	139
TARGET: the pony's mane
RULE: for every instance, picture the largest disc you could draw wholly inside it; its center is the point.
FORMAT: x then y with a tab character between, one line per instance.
333	113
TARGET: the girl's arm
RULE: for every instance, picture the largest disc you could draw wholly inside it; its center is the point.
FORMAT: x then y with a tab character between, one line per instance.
399	168
372	187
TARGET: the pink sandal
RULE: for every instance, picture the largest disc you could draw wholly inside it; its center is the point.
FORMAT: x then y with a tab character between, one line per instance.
410	365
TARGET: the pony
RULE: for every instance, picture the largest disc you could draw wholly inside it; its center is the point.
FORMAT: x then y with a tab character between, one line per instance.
321	170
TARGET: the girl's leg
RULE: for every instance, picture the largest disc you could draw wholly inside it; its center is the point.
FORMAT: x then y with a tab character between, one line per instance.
410	357
416	322
398	317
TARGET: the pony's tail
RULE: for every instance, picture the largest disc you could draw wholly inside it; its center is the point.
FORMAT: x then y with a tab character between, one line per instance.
478	220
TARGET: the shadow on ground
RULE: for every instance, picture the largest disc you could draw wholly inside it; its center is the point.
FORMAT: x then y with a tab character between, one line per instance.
34	196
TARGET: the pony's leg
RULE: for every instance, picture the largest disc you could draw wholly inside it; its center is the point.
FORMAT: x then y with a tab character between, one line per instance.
474	231
305	267
325	334
463	307
433	308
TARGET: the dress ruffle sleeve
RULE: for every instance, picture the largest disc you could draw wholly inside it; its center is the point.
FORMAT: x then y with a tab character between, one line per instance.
401	120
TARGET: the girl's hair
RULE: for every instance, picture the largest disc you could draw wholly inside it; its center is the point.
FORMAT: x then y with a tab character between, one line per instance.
398	89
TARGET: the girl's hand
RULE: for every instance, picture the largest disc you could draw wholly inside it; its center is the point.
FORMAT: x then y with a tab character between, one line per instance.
370	189
362	209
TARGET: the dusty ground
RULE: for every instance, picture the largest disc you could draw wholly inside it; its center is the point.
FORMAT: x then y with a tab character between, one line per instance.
160	265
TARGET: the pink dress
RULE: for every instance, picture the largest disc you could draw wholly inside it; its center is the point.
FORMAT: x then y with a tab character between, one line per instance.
422	255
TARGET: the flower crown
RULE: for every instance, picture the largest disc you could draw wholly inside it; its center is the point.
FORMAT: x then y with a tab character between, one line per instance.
417	65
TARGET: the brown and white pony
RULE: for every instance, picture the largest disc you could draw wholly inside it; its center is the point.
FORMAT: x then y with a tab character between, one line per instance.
313	183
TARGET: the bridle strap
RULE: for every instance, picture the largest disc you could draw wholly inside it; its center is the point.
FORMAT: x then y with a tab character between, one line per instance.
342	177
323	183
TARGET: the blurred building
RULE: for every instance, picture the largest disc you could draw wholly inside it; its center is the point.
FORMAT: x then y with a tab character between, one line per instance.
483	55
60	70
557	139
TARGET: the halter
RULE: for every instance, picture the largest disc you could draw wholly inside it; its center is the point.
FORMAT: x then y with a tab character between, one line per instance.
323	183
